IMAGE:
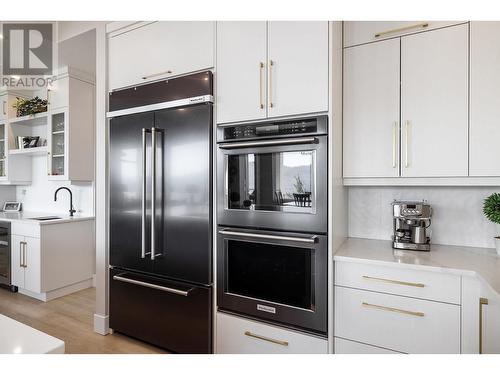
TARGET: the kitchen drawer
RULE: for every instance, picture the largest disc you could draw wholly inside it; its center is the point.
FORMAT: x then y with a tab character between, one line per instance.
399	280
179	323
237	335
402	324
25	229
359	32
343	346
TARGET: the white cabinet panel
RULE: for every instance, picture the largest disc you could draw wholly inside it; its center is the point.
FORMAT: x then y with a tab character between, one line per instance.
399	280
358	32
32	276
242	336
343	346
490	322
297	67
241	71
159	50
434	103
484	99
371	110
407	325
17	269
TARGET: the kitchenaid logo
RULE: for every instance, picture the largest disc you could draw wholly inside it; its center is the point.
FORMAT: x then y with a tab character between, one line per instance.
28	55
268	309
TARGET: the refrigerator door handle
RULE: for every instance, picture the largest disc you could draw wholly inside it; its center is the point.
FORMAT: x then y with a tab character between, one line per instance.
144	184
154	132
179	292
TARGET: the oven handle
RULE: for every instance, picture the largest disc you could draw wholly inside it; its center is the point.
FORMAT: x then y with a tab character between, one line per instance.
277	142
312	239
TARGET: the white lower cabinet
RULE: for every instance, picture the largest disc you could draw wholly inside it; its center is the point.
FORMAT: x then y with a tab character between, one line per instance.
237	335
52	260
343	346
26	263
407	325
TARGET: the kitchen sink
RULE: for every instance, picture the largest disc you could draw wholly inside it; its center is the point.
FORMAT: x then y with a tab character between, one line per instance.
43	218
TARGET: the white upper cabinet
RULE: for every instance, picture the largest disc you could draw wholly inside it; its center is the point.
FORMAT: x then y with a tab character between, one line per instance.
371	110
359	32
271	69
241	71
159	50
434	103
298	67
484	99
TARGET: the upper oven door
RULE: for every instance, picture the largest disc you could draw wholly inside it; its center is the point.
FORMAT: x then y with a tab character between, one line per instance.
274	184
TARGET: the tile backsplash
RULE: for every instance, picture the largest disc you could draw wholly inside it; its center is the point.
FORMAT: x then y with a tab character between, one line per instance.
457	213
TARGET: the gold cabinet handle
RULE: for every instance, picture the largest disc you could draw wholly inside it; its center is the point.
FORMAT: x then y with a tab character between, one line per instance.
271	64
274	341
21	254
157	74
394	143
422	25
407	138
392	309
25	247
48	96
261	74
3	107
482	302
389	281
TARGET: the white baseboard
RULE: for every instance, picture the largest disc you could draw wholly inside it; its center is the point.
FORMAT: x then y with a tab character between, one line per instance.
101	324
56	293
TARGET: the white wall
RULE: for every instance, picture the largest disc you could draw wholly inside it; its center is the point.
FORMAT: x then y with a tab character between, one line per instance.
457	213
39	196
7	194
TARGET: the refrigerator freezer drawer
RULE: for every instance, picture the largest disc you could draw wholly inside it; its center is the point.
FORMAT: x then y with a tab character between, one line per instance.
172	315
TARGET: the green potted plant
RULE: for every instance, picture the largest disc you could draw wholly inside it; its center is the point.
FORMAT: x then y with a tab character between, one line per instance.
491	209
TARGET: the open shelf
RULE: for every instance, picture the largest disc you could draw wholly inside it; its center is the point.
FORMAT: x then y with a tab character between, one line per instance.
30	120
42	150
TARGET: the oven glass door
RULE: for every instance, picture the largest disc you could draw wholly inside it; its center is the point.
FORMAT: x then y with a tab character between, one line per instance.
270	272
281	181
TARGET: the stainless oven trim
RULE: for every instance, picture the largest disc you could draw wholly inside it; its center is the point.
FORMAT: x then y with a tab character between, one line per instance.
278	149
311	320
309	246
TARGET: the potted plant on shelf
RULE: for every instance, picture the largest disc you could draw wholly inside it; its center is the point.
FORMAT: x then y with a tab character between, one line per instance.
491	209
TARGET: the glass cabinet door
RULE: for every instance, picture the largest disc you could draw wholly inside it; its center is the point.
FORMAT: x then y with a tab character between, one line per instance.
3	150
58	144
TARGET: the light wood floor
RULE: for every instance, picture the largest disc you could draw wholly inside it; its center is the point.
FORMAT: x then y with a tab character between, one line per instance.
69	318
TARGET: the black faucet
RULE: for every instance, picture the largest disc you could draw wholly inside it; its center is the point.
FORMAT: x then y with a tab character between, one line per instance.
71	209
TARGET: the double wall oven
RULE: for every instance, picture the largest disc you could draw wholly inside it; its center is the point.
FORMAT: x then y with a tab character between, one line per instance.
272	217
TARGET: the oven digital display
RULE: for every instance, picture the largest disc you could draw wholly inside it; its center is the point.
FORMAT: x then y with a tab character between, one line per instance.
270	129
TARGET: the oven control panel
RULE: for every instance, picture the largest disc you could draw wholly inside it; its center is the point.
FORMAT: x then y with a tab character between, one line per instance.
273	129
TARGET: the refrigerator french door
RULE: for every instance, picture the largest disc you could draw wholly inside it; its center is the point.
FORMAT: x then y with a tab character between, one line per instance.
161	214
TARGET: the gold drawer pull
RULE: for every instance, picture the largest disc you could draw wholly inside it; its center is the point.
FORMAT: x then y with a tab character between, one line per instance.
274	341
392	309
482	302
157	74
416	285
401	29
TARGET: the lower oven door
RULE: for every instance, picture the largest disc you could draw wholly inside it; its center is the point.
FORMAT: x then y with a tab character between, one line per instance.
278	184
275	276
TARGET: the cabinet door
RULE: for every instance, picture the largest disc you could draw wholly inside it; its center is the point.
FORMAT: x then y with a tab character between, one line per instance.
434	103
297	67
371	110
158	50
58	145
32	264
484	99
241	71
4	104
17	259
58	94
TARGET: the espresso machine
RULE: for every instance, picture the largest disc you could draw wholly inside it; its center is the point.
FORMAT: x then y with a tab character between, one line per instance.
411	225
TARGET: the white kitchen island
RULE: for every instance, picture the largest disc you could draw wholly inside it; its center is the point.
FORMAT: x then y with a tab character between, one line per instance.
18	338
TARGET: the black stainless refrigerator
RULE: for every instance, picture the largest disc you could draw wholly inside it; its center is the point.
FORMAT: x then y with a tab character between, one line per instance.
160	195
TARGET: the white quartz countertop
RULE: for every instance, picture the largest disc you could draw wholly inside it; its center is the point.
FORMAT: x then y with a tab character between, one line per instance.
480	262
18	338
27	216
